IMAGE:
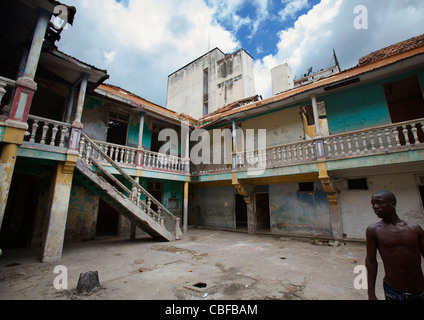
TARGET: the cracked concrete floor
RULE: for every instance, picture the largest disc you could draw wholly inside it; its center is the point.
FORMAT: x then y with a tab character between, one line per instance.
224	265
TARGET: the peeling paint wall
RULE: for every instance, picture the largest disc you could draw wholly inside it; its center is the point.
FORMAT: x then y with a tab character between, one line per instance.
355	205
215	207
298	213
283	127
82	214
95	119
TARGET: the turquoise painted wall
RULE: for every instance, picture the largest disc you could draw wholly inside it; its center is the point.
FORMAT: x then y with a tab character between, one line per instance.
298	213
362	107
357	108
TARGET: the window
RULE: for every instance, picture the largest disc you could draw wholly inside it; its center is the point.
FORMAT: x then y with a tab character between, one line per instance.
357	184
306	187
117	128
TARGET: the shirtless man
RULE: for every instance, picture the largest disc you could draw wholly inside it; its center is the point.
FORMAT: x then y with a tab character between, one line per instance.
400	245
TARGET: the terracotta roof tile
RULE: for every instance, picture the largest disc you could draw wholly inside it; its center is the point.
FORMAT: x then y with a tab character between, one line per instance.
392	50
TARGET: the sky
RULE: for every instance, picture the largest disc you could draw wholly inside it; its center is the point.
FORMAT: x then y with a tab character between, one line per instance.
141	42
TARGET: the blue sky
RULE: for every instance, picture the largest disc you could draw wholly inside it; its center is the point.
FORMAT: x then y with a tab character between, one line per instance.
141	42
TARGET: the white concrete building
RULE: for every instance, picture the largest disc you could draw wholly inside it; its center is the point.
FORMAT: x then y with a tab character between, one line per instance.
211	82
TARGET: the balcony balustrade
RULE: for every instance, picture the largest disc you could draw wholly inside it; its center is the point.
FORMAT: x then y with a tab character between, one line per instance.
373	141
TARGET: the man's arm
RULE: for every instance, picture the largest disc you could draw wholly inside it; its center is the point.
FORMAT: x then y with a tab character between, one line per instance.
371	262
421	237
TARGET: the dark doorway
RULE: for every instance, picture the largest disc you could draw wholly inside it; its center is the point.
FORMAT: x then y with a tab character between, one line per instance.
241	212
155	189
405	99
107	220
20	211
262	212
421	188
117	128
156	144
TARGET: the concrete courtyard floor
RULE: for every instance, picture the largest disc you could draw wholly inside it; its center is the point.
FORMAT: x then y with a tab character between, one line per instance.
227	265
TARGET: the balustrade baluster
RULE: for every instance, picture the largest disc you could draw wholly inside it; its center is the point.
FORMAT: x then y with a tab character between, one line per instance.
364	141
406	135
89	148
54	133
415	133
44	133
63	134
380	140
356	139
34	131
388	138
349	144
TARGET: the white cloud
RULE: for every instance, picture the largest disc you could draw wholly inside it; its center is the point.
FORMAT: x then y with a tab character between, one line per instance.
329	25
142	42
292	8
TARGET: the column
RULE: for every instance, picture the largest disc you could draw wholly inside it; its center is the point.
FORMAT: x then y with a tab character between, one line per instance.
25	85
235	164
140	141
7	166
185	146
54	232
77	125
81	98
16	125
333	201
319	143
185	213
70	104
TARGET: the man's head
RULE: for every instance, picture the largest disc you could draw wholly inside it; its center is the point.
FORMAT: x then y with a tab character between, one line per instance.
384	204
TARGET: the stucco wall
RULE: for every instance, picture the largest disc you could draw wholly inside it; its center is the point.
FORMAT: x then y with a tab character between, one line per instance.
355	205
283	127
293	212
215	207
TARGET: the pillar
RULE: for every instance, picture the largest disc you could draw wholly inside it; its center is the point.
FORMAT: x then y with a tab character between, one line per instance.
235	164
333	201
7	166
185	213
318	133
54	230
77	125
185	146
81	97
70	104
16	125
140	141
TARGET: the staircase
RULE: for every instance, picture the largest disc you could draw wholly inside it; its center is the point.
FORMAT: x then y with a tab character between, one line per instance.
124	193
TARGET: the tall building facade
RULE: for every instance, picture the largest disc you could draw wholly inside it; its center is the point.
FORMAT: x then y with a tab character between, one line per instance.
211	82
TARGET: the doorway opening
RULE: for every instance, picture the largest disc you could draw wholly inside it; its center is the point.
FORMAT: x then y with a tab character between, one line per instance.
117	128
108	220
241	212
406	102
21	209
262	212
156	190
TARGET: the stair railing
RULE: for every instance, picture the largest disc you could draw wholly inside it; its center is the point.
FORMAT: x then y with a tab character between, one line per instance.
88	150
